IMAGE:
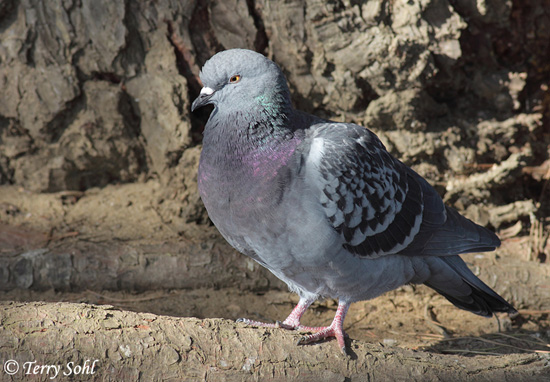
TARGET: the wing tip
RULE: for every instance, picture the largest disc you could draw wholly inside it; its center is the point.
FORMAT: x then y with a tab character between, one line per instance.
481	303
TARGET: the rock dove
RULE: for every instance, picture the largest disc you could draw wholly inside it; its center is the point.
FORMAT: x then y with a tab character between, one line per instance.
322	204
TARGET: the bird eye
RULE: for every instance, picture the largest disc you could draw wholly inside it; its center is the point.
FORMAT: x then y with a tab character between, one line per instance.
234	79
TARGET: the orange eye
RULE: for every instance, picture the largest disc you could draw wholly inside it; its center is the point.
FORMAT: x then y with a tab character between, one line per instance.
234	79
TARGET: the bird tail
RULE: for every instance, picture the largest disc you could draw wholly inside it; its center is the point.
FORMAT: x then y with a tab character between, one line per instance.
451	277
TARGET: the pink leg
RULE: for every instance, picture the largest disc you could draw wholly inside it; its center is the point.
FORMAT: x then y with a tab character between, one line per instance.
291	322
336	329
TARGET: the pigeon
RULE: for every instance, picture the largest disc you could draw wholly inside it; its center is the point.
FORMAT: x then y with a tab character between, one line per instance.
323	205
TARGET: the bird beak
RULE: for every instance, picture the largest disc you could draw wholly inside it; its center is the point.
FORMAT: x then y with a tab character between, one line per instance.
203	98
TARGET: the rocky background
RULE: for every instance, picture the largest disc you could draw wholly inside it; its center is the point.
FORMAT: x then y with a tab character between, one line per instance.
98	92
99	150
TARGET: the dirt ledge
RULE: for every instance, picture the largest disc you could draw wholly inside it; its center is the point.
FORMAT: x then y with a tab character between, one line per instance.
142	346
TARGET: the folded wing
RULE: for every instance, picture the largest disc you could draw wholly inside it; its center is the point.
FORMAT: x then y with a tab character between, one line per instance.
378	205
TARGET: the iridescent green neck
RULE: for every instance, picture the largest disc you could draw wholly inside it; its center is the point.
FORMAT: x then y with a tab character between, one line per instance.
274	102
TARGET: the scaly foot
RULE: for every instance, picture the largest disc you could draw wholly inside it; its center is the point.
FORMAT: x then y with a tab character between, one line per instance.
336	329
292	322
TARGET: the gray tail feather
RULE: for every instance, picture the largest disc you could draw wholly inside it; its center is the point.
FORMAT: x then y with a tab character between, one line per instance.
471	294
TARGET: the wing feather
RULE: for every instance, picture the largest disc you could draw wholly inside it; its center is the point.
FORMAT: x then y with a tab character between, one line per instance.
378	205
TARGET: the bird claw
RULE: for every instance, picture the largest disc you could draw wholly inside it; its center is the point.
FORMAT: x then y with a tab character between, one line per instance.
345	352
325	333
259	324
277	324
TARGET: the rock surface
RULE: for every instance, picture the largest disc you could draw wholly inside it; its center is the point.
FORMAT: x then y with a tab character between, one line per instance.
99	92
136	346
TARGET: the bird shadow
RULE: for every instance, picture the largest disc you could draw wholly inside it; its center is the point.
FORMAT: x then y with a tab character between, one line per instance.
492	344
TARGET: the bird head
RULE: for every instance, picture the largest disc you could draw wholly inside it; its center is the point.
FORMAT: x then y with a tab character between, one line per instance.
240	80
